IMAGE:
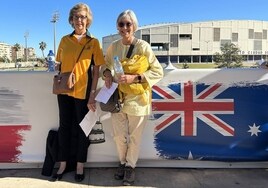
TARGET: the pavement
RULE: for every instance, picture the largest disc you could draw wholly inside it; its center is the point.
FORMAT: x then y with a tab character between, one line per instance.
145	177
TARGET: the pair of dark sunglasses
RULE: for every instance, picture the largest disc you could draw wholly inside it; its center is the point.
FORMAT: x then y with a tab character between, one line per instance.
122	24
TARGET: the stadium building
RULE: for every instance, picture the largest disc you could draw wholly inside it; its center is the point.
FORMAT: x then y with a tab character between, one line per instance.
198	42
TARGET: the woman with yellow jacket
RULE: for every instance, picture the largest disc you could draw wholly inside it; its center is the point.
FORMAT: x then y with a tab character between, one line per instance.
135	91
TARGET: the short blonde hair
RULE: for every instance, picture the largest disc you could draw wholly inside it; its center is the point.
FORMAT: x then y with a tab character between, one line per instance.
131	15
81	7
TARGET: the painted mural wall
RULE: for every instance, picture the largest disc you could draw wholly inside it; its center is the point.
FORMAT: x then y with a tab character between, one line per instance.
202	115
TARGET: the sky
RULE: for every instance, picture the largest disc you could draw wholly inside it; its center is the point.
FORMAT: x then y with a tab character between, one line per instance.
19	17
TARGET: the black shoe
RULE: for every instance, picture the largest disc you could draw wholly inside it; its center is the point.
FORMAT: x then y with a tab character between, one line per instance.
56	177
79	177
119	174
129	176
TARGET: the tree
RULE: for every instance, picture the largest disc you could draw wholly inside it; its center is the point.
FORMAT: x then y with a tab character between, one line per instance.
228	57
4	59
16	47
42	46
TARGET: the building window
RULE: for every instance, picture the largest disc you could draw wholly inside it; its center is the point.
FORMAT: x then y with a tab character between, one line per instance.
159	46
185	37
235	37
162	59
258	35
257	45
217	34
196	59
174	59
146	38
264	34
223	42
174	40
251	34
185	59
257	57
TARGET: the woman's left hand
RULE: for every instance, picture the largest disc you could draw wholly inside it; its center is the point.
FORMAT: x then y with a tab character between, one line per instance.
126	79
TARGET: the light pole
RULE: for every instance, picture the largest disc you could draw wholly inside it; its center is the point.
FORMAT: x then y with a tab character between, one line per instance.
54	20
26	35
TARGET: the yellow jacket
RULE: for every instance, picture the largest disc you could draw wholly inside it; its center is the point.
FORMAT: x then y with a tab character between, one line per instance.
135	104
136	65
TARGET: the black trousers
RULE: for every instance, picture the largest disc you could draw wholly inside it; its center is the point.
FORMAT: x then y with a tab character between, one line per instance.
73	143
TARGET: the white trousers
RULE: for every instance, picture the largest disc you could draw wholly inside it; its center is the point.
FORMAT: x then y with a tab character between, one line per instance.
127	132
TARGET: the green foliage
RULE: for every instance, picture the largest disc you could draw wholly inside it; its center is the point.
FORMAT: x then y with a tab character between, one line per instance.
185	65
228	57
4	59
42	46
16	47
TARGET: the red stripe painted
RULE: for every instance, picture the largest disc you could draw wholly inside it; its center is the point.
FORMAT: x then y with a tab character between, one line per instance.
168	120
211	90
10	140
220	124
162	92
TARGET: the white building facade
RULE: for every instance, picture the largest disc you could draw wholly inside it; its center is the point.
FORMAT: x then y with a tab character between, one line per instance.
5	51
198	42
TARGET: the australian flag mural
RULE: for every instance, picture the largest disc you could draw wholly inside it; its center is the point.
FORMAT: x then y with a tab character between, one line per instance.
219	122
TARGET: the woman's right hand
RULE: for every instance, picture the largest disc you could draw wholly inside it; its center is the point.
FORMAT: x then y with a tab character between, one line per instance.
108	79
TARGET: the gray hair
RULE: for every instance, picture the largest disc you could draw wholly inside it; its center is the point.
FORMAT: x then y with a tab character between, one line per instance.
131	15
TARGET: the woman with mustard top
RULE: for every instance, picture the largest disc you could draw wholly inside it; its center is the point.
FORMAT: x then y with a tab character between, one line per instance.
75	105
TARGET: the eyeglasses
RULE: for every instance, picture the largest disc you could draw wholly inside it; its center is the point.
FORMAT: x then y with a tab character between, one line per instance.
122	24
81	17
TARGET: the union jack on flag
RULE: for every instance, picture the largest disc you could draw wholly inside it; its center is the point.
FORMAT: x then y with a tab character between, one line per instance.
211	121
190	105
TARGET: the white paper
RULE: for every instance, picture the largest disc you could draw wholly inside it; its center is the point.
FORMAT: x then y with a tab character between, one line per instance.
105	93
89	121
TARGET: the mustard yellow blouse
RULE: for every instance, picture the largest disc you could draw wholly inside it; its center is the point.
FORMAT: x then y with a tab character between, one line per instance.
68	52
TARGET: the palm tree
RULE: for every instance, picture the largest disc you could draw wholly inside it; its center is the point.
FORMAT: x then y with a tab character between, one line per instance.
42	46
16	47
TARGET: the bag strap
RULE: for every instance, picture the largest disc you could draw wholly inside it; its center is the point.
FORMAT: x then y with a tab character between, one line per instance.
131	47
90	78
83	49
79	54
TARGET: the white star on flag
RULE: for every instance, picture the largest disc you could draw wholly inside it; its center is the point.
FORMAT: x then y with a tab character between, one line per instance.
191	157
254	130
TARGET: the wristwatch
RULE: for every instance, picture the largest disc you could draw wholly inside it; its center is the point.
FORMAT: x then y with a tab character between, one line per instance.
139	78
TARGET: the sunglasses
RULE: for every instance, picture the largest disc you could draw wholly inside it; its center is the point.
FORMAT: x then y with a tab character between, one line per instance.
122	24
